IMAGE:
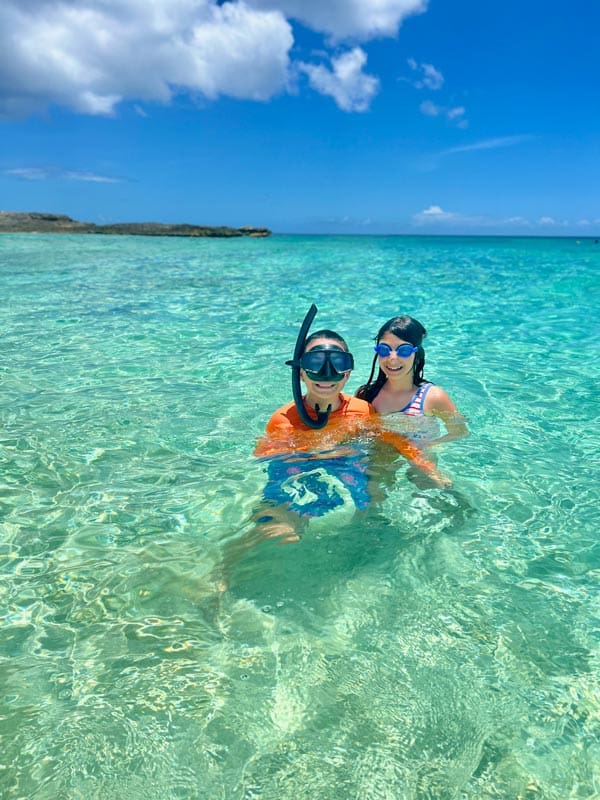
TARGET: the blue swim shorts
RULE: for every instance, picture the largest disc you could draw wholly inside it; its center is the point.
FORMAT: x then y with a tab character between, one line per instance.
314	486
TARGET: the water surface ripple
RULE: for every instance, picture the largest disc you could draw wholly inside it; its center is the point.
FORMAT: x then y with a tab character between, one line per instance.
439	646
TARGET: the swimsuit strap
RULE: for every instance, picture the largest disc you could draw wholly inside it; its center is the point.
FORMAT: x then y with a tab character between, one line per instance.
415	405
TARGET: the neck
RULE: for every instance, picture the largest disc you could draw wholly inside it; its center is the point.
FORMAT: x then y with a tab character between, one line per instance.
312	401
403	383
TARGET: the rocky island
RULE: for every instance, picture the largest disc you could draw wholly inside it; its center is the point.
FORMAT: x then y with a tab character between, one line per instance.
35	222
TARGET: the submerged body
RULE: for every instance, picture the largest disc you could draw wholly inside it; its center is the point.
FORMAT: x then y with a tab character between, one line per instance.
312	471
411	405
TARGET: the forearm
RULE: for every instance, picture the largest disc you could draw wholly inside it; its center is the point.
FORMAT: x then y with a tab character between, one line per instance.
454	432
415	456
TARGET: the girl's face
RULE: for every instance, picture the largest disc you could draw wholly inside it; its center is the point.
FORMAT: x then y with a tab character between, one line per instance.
323	391
393	365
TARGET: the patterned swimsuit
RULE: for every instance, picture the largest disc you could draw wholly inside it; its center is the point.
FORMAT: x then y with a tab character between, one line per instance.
421	427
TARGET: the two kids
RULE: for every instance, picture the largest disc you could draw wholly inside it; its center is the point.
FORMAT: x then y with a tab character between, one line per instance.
318	445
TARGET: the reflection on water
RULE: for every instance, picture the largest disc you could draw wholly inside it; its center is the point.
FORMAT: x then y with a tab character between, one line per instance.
437	645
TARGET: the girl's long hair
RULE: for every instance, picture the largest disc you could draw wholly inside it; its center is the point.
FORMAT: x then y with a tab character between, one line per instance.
409	330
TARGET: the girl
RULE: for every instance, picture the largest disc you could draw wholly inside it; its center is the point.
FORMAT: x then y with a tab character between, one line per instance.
400	388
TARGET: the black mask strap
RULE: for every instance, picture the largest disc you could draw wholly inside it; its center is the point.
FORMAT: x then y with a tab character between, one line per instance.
322	416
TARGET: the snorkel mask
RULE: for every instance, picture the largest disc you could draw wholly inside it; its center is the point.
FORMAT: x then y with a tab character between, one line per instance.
326	362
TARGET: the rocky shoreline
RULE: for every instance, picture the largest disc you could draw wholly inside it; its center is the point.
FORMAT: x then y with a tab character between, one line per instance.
35	222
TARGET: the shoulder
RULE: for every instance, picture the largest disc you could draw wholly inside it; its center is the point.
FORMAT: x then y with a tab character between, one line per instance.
437	399
285	417
279	432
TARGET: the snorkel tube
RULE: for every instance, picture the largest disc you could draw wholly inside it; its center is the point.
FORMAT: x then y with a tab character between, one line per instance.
322	416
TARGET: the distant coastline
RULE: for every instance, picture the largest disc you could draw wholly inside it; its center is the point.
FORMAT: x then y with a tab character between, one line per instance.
36	222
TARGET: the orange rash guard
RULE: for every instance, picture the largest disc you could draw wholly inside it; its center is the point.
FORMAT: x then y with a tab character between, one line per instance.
286	433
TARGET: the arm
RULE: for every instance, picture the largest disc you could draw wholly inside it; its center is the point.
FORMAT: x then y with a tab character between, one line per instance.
415	456
438	403
278	437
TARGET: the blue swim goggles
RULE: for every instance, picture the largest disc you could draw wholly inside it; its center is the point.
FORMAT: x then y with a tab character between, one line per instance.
402	351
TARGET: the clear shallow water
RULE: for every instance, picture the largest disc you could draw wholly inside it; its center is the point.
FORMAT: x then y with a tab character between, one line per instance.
439	646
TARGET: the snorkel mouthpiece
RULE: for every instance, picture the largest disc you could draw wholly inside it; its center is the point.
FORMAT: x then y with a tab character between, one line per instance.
322	416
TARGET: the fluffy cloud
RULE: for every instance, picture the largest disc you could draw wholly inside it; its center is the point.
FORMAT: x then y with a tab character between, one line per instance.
437	219
430	109
89	55
434	214
430	77
455	114
343	19
350	87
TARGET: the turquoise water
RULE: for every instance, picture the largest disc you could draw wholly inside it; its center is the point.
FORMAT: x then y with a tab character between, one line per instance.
440	646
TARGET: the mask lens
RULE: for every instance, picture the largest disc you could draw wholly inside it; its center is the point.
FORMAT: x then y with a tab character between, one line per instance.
313	361
341	361
330	364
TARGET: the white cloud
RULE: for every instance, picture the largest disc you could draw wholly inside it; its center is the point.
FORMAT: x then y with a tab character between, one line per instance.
430	109
584	223
49	173
28	173
489	144
430	77
350	87
434	214
343	19
89	56
437	219
90	177
517	221
455	115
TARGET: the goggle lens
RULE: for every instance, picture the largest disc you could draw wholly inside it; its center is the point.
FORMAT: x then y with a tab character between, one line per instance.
402	351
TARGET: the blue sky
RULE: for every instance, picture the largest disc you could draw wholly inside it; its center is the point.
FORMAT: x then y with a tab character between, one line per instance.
341	116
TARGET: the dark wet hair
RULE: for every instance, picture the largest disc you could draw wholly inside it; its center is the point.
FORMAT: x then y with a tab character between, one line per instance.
326	334
409	330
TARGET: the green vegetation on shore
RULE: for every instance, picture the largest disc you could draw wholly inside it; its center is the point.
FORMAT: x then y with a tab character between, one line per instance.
35	222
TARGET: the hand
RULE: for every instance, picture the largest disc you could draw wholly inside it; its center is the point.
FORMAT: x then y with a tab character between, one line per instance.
283	531
271	529
441	481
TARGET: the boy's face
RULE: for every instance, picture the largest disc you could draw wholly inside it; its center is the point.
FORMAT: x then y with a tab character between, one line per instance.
323	391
